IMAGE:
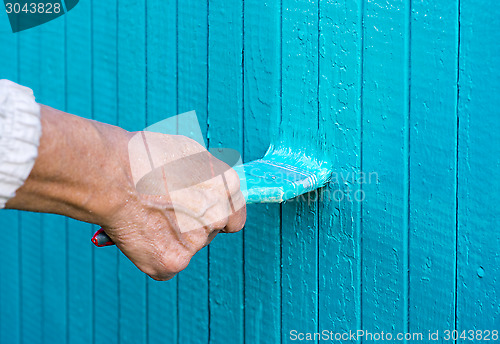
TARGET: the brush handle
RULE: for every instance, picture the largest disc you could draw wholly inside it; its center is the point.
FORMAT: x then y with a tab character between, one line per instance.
101	239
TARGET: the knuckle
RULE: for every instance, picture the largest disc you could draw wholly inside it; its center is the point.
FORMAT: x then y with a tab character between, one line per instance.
173	264
166	266
233	180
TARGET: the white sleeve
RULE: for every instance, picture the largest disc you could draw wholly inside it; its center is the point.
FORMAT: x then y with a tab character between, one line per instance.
20	131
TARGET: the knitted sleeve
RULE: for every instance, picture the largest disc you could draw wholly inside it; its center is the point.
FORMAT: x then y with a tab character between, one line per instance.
20	131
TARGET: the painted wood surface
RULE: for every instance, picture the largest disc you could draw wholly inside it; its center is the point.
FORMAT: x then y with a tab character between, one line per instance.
401	97
262	109
299	119
478	268
432	166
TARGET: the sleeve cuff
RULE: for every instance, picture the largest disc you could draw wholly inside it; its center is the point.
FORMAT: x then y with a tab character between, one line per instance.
20	132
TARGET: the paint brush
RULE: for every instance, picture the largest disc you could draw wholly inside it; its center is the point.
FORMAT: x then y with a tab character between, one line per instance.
283	173
277	177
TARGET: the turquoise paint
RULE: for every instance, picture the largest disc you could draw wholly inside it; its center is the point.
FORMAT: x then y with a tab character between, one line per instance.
281	175
384	232
340	115
371	86
262	106
433	147
478	159
299	122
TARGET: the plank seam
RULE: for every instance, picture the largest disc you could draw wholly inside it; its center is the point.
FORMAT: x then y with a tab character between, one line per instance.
146	114
243	318
457	167
318	217
208	146
407	177
19	226
117	254
281	204
361	165
66	224
177	302
92	110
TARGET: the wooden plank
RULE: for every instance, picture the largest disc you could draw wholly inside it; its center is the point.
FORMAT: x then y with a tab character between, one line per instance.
340	70
10	280
161	96
262	73
80	252
131	116
478	165
385	152
10	277
299	125
225	111
433	145
104	104
192	43
31	223
54	254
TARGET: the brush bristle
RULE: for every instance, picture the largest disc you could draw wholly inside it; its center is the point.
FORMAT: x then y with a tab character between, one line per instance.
277	178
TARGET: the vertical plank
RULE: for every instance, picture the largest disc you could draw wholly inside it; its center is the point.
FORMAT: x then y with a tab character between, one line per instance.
299	125
340	70
192	42
54	255
10	284
433	165
79	101
262	82
10	278
161	103
225	108
30	223
385	151
132	116
478	166
104	107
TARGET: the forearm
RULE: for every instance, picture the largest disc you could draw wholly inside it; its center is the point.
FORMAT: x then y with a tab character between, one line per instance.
80	169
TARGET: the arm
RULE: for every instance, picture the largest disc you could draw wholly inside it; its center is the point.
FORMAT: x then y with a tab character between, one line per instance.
83	171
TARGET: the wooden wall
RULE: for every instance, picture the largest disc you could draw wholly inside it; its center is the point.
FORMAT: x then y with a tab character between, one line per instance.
403	93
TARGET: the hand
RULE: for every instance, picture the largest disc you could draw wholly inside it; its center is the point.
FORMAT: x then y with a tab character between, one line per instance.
183	197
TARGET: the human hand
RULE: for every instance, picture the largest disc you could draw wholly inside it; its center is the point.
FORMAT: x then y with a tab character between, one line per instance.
183	197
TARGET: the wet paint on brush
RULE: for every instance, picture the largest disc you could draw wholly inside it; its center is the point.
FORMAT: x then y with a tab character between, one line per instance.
282	174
